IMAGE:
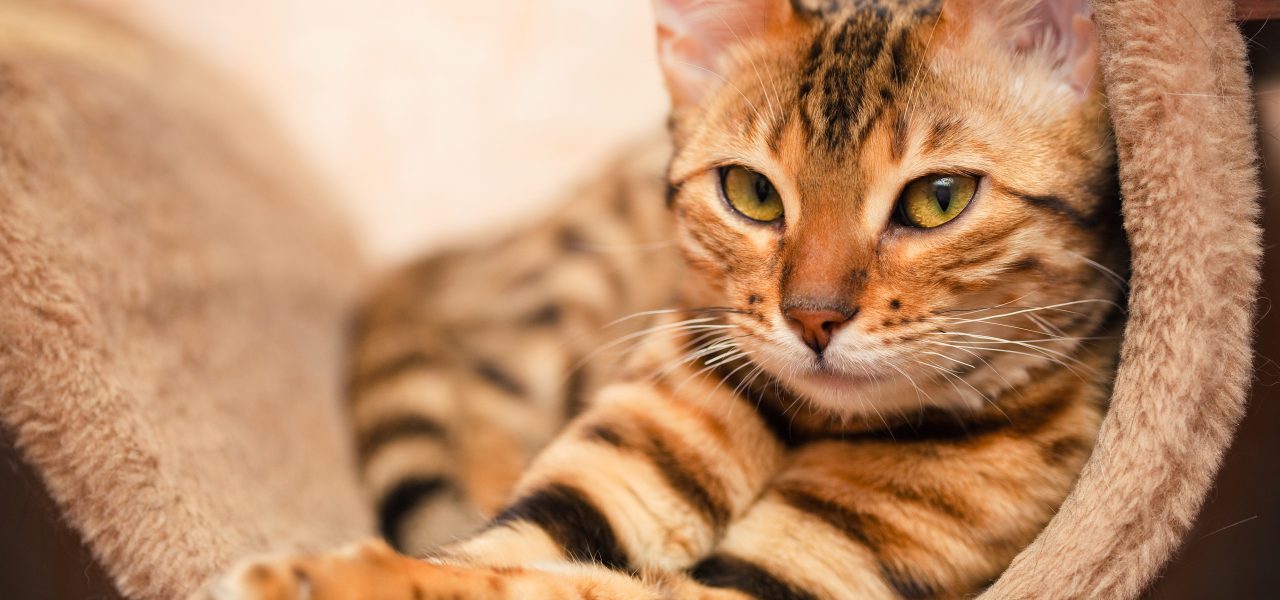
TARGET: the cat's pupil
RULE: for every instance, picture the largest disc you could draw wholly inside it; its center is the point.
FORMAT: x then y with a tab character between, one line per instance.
763	189
942	193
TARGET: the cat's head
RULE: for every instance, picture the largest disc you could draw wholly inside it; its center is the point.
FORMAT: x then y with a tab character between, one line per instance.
897	202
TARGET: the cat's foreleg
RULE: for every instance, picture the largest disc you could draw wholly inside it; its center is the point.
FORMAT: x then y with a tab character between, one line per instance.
644	483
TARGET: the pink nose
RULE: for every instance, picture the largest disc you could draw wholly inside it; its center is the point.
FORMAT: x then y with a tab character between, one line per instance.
815	326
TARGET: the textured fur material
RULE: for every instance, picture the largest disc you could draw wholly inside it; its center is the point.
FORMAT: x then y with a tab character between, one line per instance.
1183	114
172	290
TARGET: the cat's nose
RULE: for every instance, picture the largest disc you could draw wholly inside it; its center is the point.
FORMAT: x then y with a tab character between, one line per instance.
816	326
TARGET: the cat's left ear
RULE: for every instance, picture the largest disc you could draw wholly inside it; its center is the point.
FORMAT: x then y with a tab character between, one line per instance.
1064	29
695	38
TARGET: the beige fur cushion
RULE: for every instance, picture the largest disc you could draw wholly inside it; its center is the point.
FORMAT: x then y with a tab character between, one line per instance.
172	295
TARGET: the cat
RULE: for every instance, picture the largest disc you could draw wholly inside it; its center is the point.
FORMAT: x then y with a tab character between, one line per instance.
857	341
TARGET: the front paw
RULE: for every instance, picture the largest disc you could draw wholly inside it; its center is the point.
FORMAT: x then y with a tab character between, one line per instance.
367	570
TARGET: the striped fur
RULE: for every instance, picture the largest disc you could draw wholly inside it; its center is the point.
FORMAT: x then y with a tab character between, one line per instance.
452	396
913	457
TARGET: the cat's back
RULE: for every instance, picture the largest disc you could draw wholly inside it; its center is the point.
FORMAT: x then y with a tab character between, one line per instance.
466	362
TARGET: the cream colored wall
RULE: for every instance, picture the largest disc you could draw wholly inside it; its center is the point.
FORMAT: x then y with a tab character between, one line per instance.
435	118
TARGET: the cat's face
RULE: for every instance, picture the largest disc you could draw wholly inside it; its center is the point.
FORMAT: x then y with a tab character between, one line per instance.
900	206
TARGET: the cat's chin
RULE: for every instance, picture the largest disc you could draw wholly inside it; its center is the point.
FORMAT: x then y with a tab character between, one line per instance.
832	380
868	393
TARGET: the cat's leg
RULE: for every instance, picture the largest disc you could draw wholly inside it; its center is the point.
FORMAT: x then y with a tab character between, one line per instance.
644	482
375	571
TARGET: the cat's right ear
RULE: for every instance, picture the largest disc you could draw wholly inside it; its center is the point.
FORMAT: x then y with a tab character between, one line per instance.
695	38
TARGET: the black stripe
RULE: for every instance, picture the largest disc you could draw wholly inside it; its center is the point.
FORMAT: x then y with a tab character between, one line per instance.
397	428
908	587
573	521
500	379
864	528
1059	207
403	499
809	81
725	571
851	523
575	394
401	363
685	482
605	434
856	50
776	421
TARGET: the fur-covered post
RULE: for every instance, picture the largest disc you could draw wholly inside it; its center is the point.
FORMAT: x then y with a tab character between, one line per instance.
1181	104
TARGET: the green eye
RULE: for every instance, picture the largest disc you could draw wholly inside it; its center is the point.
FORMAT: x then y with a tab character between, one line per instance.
751	194
933	200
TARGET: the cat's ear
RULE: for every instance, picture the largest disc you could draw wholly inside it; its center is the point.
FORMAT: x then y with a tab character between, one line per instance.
1062	29
695	36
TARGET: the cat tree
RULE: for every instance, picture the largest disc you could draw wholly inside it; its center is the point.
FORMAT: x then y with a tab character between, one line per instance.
173	288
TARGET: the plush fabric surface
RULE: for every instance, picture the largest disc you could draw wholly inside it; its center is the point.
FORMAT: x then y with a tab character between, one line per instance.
172	296
1183	113
172	289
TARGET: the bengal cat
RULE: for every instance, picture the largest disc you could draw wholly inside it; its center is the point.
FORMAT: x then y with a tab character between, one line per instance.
875	308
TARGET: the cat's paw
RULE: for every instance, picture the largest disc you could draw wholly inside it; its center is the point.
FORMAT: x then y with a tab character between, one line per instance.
367	570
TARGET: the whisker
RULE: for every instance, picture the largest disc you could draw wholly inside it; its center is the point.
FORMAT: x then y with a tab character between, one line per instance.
727	82
1008	351
950	375
1115	278
698	324
1032	309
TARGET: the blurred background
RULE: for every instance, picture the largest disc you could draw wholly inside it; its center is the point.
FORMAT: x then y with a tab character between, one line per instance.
434	119
437	119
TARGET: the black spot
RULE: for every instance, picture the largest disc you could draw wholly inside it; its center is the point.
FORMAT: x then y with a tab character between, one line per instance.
403	499
725	571
551	314
753	299
573	521
572	240
494	374
895	304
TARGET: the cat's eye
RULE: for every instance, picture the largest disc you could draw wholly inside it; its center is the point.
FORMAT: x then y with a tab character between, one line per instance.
751	194
934	200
